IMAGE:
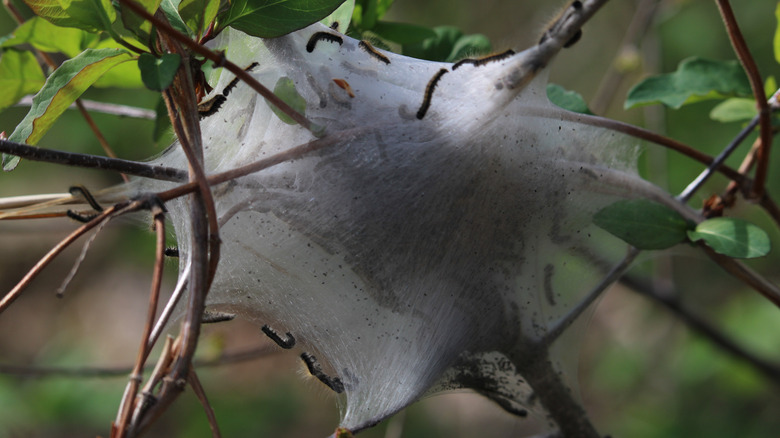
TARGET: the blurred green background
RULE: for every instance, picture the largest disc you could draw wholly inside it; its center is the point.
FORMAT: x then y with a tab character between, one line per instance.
643	373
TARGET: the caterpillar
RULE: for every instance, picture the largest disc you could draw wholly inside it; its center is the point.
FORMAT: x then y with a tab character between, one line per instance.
322	36
211	106
484	60
429	93
315	369
287	343
365	45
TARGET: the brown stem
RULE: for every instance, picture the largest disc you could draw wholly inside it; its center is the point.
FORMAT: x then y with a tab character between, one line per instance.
11	296
220	61
197	388
131	392
757	85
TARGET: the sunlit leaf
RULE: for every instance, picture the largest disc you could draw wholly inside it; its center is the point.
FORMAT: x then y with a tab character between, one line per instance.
285	90
643	224
95	15
732	237
342	15
273	18
566	99
198	14
54	12
696	79
777	34
20	74
171	10
133	22
63	87
158	73
736	109
48	37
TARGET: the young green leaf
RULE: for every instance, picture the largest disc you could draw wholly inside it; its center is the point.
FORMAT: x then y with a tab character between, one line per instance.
447	44
171	10
95	15
342	15
62	88
47	37
285	90
54	12
567	99
198	14
696	79
274	18
777	34
20	74
158	73
643	224
133	22
732	237
736	109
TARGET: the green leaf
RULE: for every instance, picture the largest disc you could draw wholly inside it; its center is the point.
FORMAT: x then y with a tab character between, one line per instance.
171	10
368	12
732	237
696	79
566	99
403	33
447	44
89	15
777	34
63	87
20	74
736	109
95	15
158	73
285	90
274	18
643	224
198	14
133	22
162	123
470	45
125	75
342	15
47	37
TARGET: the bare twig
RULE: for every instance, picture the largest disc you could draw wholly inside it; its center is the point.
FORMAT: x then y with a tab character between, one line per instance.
11	296
220	61
696	184
610	83
757	85
197	388
80	259
104	108
123	416
92	161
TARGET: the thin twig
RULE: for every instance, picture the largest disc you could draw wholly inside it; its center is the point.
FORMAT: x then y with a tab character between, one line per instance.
114	372
757	85
613	78
220	61
80	259
54	252
197	388
104	108
704	328
143	351
738	269
134	168
699	181
610	278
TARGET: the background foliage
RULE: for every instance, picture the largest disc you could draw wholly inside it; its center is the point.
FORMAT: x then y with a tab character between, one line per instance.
643	373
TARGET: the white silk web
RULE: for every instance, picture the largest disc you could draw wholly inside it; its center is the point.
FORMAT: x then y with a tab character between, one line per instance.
415	252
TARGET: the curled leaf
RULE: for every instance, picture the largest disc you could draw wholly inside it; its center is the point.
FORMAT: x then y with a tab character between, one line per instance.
732	237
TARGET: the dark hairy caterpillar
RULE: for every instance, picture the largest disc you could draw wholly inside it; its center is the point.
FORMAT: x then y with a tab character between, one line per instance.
211	317
287	343
365	45
322	36
84	193
429	93
211	106
484	60
315	369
